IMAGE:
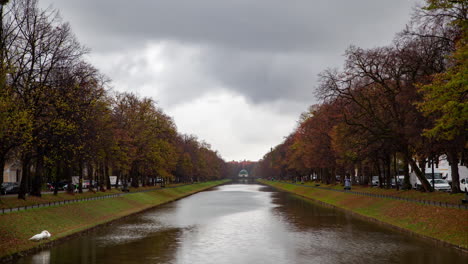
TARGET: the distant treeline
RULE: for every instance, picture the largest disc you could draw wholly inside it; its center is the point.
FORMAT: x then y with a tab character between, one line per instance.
58	118
389	108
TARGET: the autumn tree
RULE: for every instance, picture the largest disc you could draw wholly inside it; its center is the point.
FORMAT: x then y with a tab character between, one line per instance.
36	43
445	98
404	100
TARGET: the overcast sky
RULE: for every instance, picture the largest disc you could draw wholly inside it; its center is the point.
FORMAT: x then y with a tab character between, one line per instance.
236	73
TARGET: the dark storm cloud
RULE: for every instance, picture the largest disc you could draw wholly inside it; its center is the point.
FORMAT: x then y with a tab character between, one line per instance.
266	50
264	77
245	24
228	63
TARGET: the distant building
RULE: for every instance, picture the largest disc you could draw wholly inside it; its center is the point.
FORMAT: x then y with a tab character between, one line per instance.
12	171
243	173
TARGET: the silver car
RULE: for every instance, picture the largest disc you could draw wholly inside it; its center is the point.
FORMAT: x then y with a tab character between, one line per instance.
441	185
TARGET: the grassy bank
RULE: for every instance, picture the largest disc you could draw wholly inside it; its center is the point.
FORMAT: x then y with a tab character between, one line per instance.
452	198
443	224
13	201
61	221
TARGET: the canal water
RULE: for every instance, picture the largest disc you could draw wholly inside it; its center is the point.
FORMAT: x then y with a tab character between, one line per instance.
245	223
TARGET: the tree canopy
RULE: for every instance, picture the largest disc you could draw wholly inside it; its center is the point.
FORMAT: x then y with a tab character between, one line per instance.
59	117
389	109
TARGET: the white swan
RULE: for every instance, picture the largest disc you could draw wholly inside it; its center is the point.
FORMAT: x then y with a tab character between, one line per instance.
43	235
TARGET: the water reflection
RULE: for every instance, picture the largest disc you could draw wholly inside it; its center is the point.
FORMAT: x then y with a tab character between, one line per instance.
245	223
42	257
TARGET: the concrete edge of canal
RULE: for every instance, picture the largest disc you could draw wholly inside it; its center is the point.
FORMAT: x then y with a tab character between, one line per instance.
414	219
73	220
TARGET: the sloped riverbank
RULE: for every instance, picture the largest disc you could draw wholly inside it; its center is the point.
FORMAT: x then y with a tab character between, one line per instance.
446	225
69	219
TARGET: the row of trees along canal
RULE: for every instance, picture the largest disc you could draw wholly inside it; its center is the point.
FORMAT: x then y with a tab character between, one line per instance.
58	118
405	103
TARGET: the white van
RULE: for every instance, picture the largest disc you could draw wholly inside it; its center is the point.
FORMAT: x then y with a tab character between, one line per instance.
464	185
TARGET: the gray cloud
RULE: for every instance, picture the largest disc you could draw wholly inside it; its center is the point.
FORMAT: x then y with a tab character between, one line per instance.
263	76
249	25
268	52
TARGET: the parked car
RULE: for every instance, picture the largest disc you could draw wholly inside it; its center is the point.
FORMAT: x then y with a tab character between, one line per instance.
5	185
401	179
441	185
375	181
10	188
464	185
437	176
86	184
60	186
74	187
392	182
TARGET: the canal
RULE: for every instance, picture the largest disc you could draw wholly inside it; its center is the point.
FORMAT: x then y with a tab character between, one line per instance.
245	223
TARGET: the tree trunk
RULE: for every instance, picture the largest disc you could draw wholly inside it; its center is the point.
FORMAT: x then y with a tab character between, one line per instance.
59	169
379	172
332	175
80	181
3	71
90	171
406	180
452	158
102	176
106	172
395	171
68	175
367	176
2	167
388	175
117	173
134	175
422	165
420	174
39	174
359	174
144	179
125	182
24	185
96	176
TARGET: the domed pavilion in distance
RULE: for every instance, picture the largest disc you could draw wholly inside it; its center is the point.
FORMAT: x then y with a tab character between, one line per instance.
243	173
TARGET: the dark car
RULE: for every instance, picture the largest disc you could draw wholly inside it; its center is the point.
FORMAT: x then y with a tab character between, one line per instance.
5	185
10	188
60	186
